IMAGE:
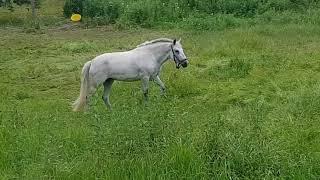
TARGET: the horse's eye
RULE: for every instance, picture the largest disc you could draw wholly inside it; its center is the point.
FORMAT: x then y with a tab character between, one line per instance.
177	52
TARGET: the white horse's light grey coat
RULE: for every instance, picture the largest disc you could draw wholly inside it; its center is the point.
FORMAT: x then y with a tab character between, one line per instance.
142	63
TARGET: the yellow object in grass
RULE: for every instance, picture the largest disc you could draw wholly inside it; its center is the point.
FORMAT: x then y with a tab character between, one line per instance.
75	17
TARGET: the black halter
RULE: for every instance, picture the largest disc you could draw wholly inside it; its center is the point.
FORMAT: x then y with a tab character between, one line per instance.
176	60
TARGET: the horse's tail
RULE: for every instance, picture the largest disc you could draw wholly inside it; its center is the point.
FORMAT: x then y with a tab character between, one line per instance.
81	102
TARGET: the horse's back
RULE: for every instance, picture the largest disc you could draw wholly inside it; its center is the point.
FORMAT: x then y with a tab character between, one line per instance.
119	57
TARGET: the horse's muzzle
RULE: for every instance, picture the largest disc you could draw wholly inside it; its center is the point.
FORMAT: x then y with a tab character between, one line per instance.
184	64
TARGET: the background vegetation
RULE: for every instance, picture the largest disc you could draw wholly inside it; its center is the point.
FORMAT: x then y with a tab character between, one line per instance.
168	14
247	107
200	14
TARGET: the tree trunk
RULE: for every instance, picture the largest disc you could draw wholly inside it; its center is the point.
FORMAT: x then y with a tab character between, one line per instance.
33	7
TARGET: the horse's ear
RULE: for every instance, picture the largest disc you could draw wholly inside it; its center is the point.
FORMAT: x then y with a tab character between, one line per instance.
179	40
174	42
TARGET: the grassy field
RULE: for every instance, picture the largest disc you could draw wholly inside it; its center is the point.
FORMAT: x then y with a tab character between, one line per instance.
246	107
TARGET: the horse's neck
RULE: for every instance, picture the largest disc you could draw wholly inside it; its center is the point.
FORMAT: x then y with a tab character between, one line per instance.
161	52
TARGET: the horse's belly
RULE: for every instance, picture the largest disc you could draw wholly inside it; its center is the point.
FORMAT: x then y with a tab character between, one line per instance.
125	76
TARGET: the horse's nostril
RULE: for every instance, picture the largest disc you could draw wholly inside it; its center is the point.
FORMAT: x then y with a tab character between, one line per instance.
185	64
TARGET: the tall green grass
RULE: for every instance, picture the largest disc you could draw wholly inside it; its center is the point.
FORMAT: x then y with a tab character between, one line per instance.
185	14
201	14
50	13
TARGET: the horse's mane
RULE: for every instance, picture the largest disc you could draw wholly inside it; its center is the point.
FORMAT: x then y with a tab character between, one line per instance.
155	41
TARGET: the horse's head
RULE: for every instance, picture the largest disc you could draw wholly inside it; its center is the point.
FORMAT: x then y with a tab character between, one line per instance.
178	55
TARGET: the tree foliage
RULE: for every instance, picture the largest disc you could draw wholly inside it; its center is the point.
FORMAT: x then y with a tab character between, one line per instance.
9	3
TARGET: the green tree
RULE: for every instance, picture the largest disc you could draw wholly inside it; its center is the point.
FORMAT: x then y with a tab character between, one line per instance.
9	4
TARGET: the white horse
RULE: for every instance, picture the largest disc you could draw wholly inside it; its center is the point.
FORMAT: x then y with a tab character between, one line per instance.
142	63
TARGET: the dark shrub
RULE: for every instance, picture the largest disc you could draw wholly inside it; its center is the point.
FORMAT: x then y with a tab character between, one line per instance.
109	11
72	6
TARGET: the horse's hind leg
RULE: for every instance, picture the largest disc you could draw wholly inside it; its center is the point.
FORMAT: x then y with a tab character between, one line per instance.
92	88
145	87
107	89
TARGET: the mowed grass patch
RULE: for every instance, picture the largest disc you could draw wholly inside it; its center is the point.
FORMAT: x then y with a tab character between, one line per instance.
246	107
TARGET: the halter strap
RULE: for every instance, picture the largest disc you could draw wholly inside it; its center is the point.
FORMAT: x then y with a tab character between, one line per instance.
174	57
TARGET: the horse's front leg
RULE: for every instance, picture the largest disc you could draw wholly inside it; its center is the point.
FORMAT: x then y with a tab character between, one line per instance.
158	81
145	87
